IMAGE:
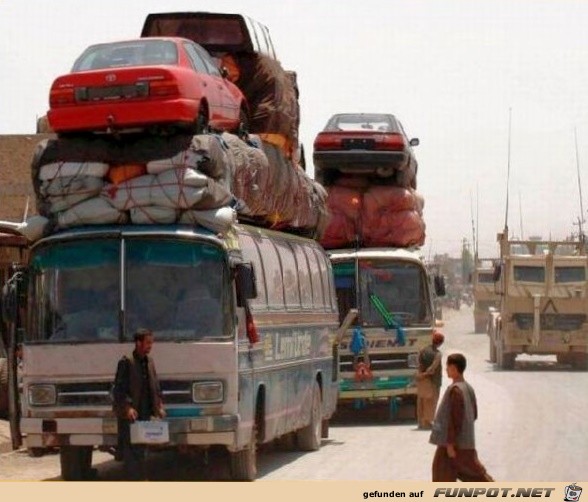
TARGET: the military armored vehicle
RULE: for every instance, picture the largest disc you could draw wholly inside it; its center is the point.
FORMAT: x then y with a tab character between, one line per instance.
543	303
484	292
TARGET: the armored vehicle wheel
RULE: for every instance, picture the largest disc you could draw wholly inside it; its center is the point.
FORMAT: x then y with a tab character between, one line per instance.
244	462
76	462
309	437
504	359
492	351
580	362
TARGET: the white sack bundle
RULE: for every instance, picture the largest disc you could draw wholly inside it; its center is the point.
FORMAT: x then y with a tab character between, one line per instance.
33	228
178	188
61	193
218	220
61	169
96	211
148	215
131	193
186	159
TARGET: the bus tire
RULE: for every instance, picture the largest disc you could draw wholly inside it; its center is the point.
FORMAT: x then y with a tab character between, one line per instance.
76	462
309	437
244	462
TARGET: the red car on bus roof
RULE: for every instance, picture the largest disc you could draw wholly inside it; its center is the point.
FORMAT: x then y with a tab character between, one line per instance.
145	82
364	143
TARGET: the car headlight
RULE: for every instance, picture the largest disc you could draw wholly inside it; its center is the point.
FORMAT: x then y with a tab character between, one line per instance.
208	392
42	395
412	360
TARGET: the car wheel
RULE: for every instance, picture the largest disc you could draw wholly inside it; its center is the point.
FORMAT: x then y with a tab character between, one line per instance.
243	128
200	125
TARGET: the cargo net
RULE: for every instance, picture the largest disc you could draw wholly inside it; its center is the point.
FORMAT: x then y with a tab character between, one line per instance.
209	179
370	215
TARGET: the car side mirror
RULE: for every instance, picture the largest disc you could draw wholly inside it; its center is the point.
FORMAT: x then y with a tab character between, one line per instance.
245	282
414	142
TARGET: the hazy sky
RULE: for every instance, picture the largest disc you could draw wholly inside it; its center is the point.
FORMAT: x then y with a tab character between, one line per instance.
448	69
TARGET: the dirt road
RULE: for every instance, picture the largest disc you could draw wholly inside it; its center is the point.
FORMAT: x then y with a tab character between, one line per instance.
532	426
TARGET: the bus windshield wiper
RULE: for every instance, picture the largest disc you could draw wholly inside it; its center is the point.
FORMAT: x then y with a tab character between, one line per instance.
389	319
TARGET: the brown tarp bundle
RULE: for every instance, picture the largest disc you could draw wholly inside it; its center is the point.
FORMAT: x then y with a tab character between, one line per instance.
376	216
275	189
272	97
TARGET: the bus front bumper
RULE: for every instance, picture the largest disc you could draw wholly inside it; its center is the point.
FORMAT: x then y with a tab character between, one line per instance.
207	430
378	387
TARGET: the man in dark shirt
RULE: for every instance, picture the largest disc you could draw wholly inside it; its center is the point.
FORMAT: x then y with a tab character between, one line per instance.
428	380
136	397
453	429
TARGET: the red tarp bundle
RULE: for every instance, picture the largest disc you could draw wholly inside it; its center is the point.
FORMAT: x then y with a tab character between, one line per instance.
377	216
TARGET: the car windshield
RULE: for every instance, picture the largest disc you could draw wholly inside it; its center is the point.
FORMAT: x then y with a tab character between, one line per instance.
363	122
122	54
178	289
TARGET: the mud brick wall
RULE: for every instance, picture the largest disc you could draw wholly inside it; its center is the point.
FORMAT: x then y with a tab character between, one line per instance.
16	153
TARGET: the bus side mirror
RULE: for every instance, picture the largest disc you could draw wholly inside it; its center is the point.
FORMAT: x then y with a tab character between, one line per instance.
10	300
245	281
439	282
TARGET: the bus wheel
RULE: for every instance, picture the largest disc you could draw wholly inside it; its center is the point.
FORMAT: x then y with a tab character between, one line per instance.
76	462
309	437
244	462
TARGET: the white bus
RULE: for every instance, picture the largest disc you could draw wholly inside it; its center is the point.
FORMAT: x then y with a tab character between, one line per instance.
244	328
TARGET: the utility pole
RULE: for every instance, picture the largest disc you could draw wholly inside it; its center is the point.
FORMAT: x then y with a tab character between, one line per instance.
581	217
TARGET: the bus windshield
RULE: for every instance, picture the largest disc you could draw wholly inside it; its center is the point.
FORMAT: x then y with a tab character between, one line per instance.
90	291
400	287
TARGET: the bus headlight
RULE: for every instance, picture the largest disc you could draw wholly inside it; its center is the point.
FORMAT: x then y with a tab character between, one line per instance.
412	361
208	392
42	395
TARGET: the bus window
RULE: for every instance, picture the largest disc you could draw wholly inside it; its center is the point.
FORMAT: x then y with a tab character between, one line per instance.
345	286
303	276
318	298
251	254
273	274
324	271
290	274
